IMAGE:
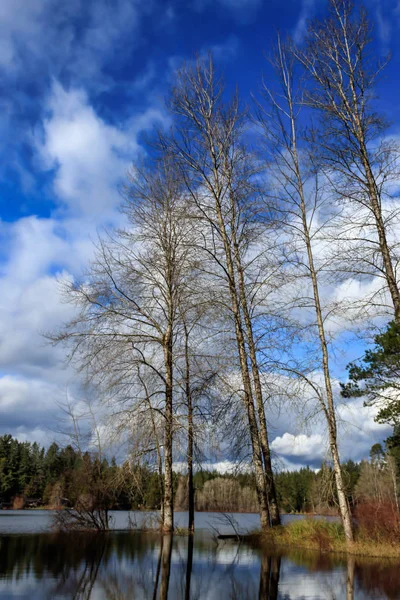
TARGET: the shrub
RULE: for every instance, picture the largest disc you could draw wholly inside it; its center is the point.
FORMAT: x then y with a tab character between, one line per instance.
318	532
378	521
18	503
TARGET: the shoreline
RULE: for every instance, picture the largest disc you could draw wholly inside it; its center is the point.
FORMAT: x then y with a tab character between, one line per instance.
154	510
322	537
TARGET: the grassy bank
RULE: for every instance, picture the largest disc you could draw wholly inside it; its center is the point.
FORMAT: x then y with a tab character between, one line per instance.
325	536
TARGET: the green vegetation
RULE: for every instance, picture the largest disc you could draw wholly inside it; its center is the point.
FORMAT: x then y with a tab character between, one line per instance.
33	476
377	375
328	536
325	535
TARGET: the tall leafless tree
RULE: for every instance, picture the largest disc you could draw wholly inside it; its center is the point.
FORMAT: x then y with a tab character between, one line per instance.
298	202
360	163
129	304
220	178
195	376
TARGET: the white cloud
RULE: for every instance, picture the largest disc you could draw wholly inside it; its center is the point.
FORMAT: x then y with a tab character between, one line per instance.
226	50
357	432
30	304
27	403
223	466
34	247
48	36
384	12
20	21
34	311
299	446
306	11
358	428
317	584
89	157
298	430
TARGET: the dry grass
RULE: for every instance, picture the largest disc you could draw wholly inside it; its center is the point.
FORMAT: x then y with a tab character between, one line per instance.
326	536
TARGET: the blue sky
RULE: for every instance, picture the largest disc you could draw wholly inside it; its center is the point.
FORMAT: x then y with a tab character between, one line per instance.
82	82
121	55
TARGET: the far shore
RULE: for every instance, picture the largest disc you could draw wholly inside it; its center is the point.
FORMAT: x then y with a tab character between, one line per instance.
222	512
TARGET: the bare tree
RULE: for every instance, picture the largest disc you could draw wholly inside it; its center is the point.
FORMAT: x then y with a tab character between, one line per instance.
94	487
141	426
196	380
129	304
221	180
298	202
360	163
190	432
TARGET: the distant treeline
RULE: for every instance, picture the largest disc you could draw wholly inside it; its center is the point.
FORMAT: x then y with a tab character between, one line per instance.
33	476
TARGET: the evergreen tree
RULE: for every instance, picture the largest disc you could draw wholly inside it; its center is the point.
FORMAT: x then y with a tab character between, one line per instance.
377	376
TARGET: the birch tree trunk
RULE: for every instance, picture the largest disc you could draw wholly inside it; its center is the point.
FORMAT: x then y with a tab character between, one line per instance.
204	138
168	505
338	60
190	432
264	442
329	409
281	127
262	494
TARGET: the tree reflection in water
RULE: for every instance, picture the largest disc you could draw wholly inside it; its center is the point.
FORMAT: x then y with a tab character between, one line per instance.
350	578
166	553
189	567
121	566
270	568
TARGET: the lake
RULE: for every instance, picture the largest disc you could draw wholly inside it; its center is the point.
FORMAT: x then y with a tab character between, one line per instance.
36	563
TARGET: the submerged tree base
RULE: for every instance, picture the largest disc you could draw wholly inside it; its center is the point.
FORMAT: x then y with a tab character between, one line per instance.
323	536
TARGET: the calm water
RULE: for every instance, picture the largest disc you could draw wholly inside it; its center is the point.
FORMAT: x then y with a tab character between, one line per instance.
134	565
39	521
